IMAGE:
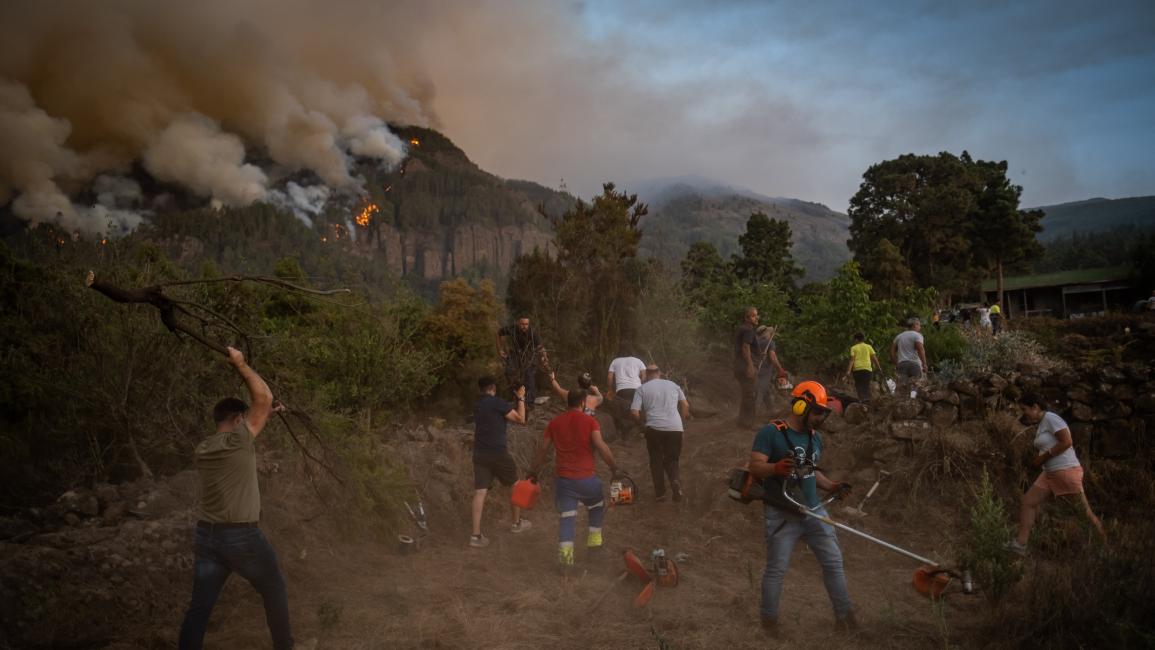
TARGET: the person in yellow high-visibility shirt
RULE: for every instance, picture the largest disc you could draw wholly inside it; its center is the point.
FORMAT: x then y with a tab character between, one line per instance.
996	318
862	361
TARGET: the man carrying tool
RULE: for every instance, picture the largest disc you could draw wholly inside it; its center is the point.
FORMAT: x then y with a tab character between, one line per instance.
491	457
521	362
779	448
746	366
228	539
624	377
770	370
574	437
665	406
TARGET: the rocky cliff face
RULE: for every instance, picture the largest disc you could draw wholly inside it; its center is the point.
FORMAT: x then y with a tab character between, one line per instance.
488	248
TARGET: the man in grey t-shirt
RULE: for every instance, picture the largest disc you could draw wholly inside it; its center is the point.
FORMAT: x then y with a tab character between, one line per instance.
665	406
908	353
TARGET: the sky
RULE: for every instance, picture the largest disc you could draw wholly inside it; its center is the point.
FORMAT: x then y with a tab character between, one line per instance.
799	99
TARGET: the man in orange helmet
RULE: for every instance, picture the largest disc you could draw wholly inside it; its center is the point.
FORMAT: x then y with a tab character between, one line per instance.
780	448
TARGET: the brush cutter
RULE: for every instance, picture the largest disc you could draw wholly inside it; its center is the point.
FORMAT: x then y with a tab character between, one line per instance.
931	579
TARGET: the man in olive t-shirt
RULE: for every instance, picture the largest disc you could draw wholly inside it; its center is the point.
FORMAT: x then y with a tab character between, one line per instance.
228	539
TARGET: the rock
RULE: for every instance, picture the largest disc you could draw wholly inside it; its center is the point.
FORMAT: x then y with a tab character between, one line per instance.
915	430
703	407
1030	382
1080	393
1138	372
1081	432
996	382
1080	412
1112	375
1066	379
855	414
1123	392
905	408
114	513
965	387
1114	439
71	519
1145	403
941	394
80	502
943	414
888	451
107	494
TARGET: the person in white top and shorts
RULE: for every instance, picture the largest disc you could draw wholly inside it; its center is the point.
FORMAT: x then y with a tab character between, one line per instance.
1062	474
625	376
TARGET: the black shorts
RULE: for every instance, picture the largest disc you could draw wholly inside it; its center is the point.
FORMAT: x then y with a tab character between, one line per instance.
491	466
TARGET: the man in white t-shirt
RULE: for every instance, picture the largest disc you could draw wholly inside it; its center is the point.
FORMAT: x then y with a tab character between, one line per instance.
1062	473
625	377
908	352
664	406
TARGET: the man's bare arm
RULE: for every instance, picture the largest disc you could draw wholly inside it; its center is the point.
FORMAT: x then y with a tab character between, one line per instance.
259	393
604	450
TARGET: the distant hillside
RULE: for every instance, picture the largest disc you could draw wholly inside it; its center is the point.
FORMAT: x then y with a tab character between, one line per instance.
690	209
1096	215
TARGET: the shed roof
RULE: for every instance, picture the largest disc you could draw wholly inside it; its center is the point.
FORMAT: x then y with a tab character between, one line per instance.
1059	279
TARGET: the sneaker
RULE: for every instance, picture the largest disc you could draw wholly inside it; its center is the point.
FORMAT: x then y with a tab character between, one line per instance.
565	557
478	541
1015	547
521	526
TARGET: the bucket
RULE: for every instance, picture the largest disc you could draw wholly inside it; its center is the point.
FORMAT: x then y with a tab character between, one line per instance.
525	493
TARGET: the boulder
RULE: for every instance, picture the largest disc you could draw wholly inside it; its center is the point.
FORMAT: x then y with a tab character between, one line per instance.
1081	432
940	394
703	407
905	408
964	387
1080	412
1066	379
996	382
80	502
1030	382
1138	372
943	414
1123	392
1080	393
855	414
888	451
914	430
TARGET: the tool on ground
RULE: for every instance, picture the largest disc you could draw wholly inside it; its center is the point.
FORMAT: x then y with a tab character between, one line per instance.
406	544
858	511
623	491
525	493
418	515
633	566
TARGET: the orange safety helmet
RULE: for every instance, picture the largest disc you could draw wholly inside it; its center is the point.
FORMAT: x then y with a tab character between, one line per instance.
807	394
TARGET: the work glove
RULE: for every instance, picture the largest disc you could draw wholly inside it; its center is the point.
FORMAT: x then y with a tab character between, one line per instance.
841	490
783	468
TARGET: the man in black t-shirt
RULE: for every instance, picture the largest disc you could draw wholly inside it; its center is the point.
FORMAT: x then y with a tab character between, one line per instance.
491	457
745	366
521	357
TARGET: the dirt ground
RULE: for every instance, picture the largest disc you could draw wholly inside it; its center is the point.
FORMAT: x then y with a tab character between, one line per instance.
510	595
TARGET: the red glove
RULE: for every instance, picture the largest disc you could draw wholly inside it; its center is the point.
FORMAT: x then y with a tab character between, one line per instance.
783	468
840	490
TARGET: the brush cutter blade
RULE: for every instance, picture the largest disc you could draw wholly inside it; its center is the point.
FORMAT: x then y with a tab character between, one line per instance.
645	595
931	581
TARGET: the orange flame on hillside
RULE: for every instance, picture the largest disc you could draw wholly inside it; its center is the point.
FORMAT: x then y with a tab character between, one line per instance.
415	142
363	218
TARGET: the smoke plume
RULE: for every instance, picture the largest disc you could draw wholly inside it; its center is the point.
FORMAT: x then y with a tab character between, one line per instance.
196	92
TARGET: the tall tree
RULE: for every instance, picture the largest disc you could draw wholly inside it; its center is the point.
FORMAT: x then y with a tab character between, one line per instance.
702	266
1001	233
765	253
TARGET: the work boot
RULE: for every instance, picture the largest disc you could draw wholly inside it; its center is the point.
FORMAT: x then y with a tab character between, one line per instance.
565	556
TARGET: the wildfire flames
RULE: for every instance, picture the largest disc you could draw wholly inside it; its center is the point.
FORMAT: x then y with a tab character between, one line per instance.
415	142
363	218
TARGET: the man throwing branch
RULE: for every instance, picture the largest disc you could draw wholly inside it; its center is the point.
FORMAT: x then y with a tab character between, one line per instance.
778	448
664	405
491	457
228	538
624	377
574	437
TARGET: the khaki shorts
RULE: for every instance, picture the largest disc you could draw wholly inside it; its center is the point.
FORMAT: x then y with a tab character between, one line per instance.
1062	482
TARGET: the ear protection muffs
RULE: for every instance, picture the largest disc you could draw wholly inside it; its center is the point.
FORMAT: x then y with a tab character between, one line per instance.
800	407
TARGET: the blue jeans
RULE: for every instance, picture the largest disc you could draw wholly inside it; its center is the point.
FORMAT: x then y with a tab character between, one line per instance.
219	553
781	535
570	492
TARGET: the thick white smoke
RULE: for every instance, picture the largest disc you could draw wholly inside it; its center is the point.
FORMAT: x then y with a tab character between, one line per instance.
90	87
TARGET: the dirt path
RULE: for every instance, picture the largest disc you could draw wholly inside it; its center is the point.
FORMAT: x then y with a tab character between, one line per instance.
510	595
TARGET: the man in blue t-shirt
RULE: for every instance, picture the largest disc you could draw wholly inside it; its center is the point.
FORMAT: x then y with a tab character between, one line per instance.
491	457
785	451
